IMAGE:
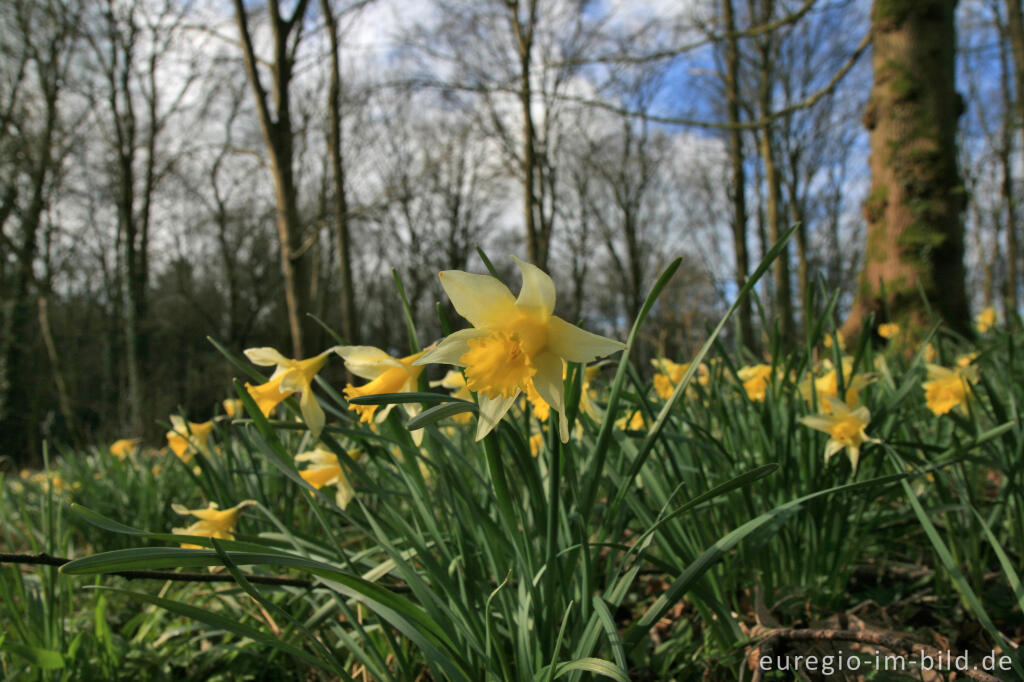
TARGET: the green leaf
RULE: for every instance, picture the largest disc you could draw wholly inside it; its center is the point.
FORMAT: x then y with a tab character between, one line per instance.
399	398
39	657
103	522
439	412
712	554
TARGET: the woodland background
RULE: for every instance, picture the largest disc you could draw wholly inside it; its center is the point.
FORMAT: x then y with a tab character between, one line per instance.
172	170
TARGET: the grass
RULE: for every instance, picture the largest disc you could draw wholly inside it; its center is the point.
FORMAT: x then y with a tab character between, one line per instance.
661	552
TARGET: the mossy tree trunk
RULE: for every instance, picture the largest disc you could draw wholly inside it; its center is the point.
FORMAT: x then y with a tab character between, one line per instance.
915	238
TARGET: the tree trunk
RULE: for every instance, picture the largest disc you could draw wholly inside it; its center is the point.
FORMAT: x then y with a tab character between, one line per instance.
278	136
738	190
536	244
1015	20
342	241
915	234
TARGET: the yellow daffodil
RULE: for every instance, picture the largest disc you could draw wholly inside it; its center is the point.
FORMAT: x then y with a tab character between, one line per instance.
827	386
671	373
986	319
290	376
324	470
930	354
212	523
536	443
124	447
828	340
455	382
541	408
755	380
186	439
966	359
631	422
233	407
587	405
386	375
513	342
888	330
948	388
845	427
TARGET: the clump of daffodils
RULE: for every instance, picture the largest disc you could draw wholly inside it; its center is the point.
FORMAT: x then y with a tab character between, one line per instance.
670	373
514	343
755	380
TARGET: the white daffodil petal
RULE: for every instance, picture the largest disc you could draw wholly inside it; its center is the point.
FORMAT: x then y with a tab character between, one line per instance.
491	412
575	345
451	348
853	452
481	299
312	413
366	362
265	357
819	422
548	382
345	492
831	448
538	292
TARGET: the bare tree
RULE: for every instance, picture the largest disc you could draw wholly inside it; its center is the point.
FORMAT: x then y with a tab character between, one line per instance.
31	133
275	117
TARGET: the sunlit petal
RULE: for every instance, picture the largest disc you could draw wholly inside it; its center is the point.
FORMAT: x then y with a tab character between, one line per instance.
491	412
538	292
265	357
481	299
451	348
576	345
548	382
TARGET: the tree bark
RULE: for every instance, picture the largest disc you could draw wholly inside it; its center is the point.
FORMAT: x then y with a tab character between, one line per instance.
278	135
1015	21
915	238
781	267
339	198
537	232
738	190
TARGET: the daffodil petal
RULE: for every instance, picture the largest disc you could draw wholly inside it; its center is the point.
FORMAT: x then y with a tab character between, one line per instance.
345	492
491	412
538	292
265	356
293	382
819	422
575	345
366	361
481	299
451	348
312	413
548	382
